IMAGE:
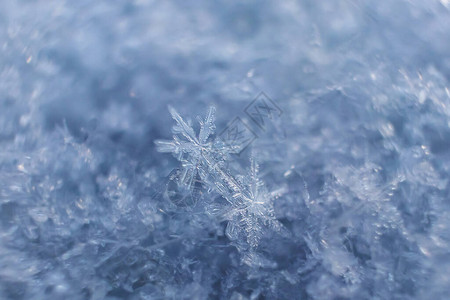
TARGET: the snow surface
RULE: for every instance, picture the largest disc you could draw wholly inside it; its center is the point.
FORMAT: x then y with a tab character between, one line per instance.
338	190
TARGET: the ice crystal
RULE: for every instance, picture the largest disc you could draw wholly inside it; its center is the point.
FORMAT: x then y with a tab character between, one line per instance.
254	212
197	154
250	209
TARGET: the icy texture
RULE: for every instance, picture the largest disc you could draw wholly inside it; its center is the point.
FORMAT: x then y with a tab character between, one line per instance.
343	195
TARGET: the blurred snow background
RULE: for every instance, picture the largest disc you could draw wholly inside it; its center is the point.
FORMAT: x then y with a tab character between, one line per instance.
363	147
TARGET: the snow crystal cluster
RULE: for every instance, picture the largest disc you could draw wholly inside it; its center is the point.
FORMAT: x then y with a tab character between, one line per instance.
318	168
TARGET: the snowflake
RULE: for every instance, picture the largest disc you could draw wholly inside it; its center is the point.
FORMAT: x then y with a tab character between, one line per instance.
254	211
201	156
197	154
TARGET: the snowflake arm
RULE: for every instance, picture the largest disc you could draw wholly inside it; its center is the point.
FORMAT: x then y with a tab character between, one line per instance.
182	127
208	126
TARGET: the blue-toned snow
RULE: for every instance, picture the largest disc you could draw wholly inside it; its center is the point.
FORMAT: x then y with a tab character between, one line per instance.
361	151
